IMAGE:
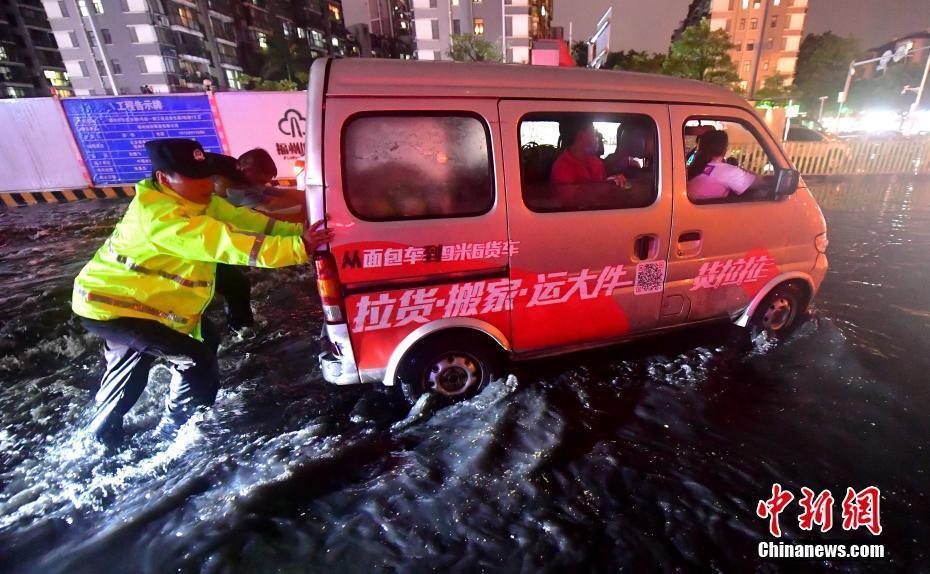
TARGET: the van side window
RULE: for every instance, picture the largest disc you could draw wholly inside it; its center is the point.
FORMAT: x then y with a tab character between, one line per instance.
588	161
417	166
726	162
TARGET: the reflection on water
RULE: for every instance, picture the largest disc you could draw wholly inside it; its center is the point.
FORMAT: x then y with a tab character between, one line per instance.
642	457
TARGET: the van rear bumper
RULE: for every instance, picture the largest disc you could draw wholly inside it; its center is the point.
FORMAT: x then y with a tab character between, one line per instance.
335	372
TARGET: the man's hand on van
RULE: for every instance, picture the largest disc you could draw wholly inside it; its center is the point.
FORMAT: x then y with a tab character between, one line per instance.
314	237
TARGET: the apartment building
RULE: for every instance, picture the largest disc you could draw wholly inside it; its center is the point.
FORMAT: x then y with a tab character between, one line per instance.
161	46
382	28
766	33
30	64
511	24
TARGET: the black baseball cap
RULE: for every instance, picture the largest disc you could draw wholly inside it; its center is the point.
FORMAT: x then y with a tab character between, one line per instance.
178	155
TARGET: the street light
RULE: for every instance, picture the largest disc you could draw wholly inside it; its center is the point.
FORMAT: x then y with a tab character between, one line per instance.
820	114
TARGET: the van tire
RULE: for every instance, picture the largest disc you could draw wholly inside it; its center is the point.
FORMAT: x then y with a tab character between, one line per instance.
780	312
454	364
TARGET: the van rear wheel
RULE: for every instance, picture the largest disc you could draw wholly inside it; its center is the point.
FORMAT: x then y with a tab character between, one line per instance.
780	312
452	365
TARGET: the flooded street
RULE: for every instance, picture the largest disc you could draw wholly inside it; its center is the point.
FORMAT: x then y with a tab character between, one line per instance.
650	456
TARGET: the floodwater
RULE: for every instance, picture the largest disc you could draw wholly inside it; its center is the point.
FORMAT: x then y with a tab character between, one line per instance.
646	457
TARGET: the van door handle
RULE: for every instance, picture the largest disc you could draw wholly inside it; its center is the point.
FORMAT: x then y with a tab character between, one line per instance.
689	244
645	247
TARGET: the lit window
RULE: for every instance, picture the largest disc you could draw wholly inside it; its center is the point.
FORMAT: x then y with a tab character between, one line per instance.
745	3
335	12
336	42
765	65
776	2
262	40
479	26
753	23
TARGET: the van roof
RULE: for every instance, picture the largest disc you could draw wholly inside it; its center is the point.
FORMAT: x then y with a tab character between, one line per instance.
391	78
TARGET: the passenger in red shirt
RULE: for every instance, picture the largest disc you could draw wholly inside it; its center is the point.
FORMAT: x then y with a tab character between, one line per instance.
578	174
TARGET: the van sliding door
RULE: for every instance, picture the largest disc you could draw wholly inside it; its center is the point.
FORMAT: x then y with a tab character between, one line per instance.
589	253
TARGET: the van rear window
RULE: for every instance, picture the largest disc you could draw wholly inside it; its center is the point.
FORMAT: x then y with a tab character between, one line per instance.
417	166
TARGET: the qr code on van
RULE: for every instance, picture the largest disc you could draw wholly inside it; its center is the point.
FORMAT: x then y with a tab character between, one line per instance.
650	276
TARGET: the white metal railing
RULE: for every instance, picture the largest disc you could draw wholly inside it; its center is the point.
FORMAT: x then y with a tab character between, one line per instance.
853	157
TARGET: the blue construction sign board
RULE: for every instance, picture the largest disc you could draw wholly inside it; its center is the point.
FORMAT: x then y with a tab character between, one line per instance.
111	132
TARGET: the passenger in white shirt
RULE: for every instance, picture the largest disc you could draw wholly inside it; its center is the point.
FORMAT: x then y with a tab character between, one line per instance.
710	177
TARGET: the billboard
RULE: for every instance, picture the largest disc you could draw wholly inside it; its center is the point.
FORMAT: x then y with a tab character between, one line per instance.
275	121
111	131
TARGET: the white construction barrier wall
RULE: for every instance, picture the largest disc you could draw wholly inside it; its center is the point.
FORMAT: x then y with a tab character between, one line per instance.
36	149
276	121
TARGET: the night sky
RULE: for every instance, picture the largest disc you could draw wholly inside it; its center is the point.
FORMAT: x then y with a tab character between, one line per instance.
648	24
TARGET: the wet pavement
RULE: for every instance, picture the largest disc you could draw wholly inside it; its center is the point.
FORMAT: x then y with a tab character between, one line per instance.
646	457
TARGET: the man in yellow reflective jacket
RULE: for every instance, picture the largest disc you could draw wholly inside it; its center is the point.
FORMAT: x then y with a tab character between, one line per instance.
146	289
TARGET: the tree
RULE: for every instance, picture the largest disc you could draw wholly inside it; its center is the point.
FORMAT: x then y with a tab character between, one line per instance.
635	61
580	54
702	54
823	62
258	84
285	59
774	88
469	48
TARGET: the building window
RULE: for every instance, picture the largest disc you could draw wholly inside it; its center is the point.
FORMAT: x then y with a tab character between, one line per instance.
756	4
770	43
317	38
753	23
114	65
301	33
262	40
457	27
508	27
433	4
742	23
746	66
750	46
63	8
142	67
72	36
765	65
434	29
98	6
745	4
84	71
133	35
776	2
91	40
417	166
479	26
101	69
335	12
476	1
232	78
774	21
105	34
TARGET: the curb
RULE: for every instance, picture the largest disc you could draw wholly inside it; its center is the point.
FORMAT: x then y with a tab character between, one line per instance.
27	198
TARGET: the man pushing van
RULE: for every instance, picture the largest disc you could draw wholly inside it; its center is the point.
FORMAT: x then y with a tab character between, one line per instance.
146	289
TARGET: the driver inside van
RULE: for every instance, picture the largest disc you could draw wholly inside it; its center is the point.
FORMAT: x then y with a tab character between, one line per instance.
711	177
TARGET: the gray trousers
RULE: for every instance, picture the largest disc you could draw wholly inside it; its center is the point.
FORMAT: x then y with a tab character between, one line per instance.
132	345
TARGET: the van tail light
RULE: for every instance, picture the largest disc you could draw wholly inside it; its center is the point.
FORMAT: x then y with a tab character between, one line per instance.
327	282
821	242
299	169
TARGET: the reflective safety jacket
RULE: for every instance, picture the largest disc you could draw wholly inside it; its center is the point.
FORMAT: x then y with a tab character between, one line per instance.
160	261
